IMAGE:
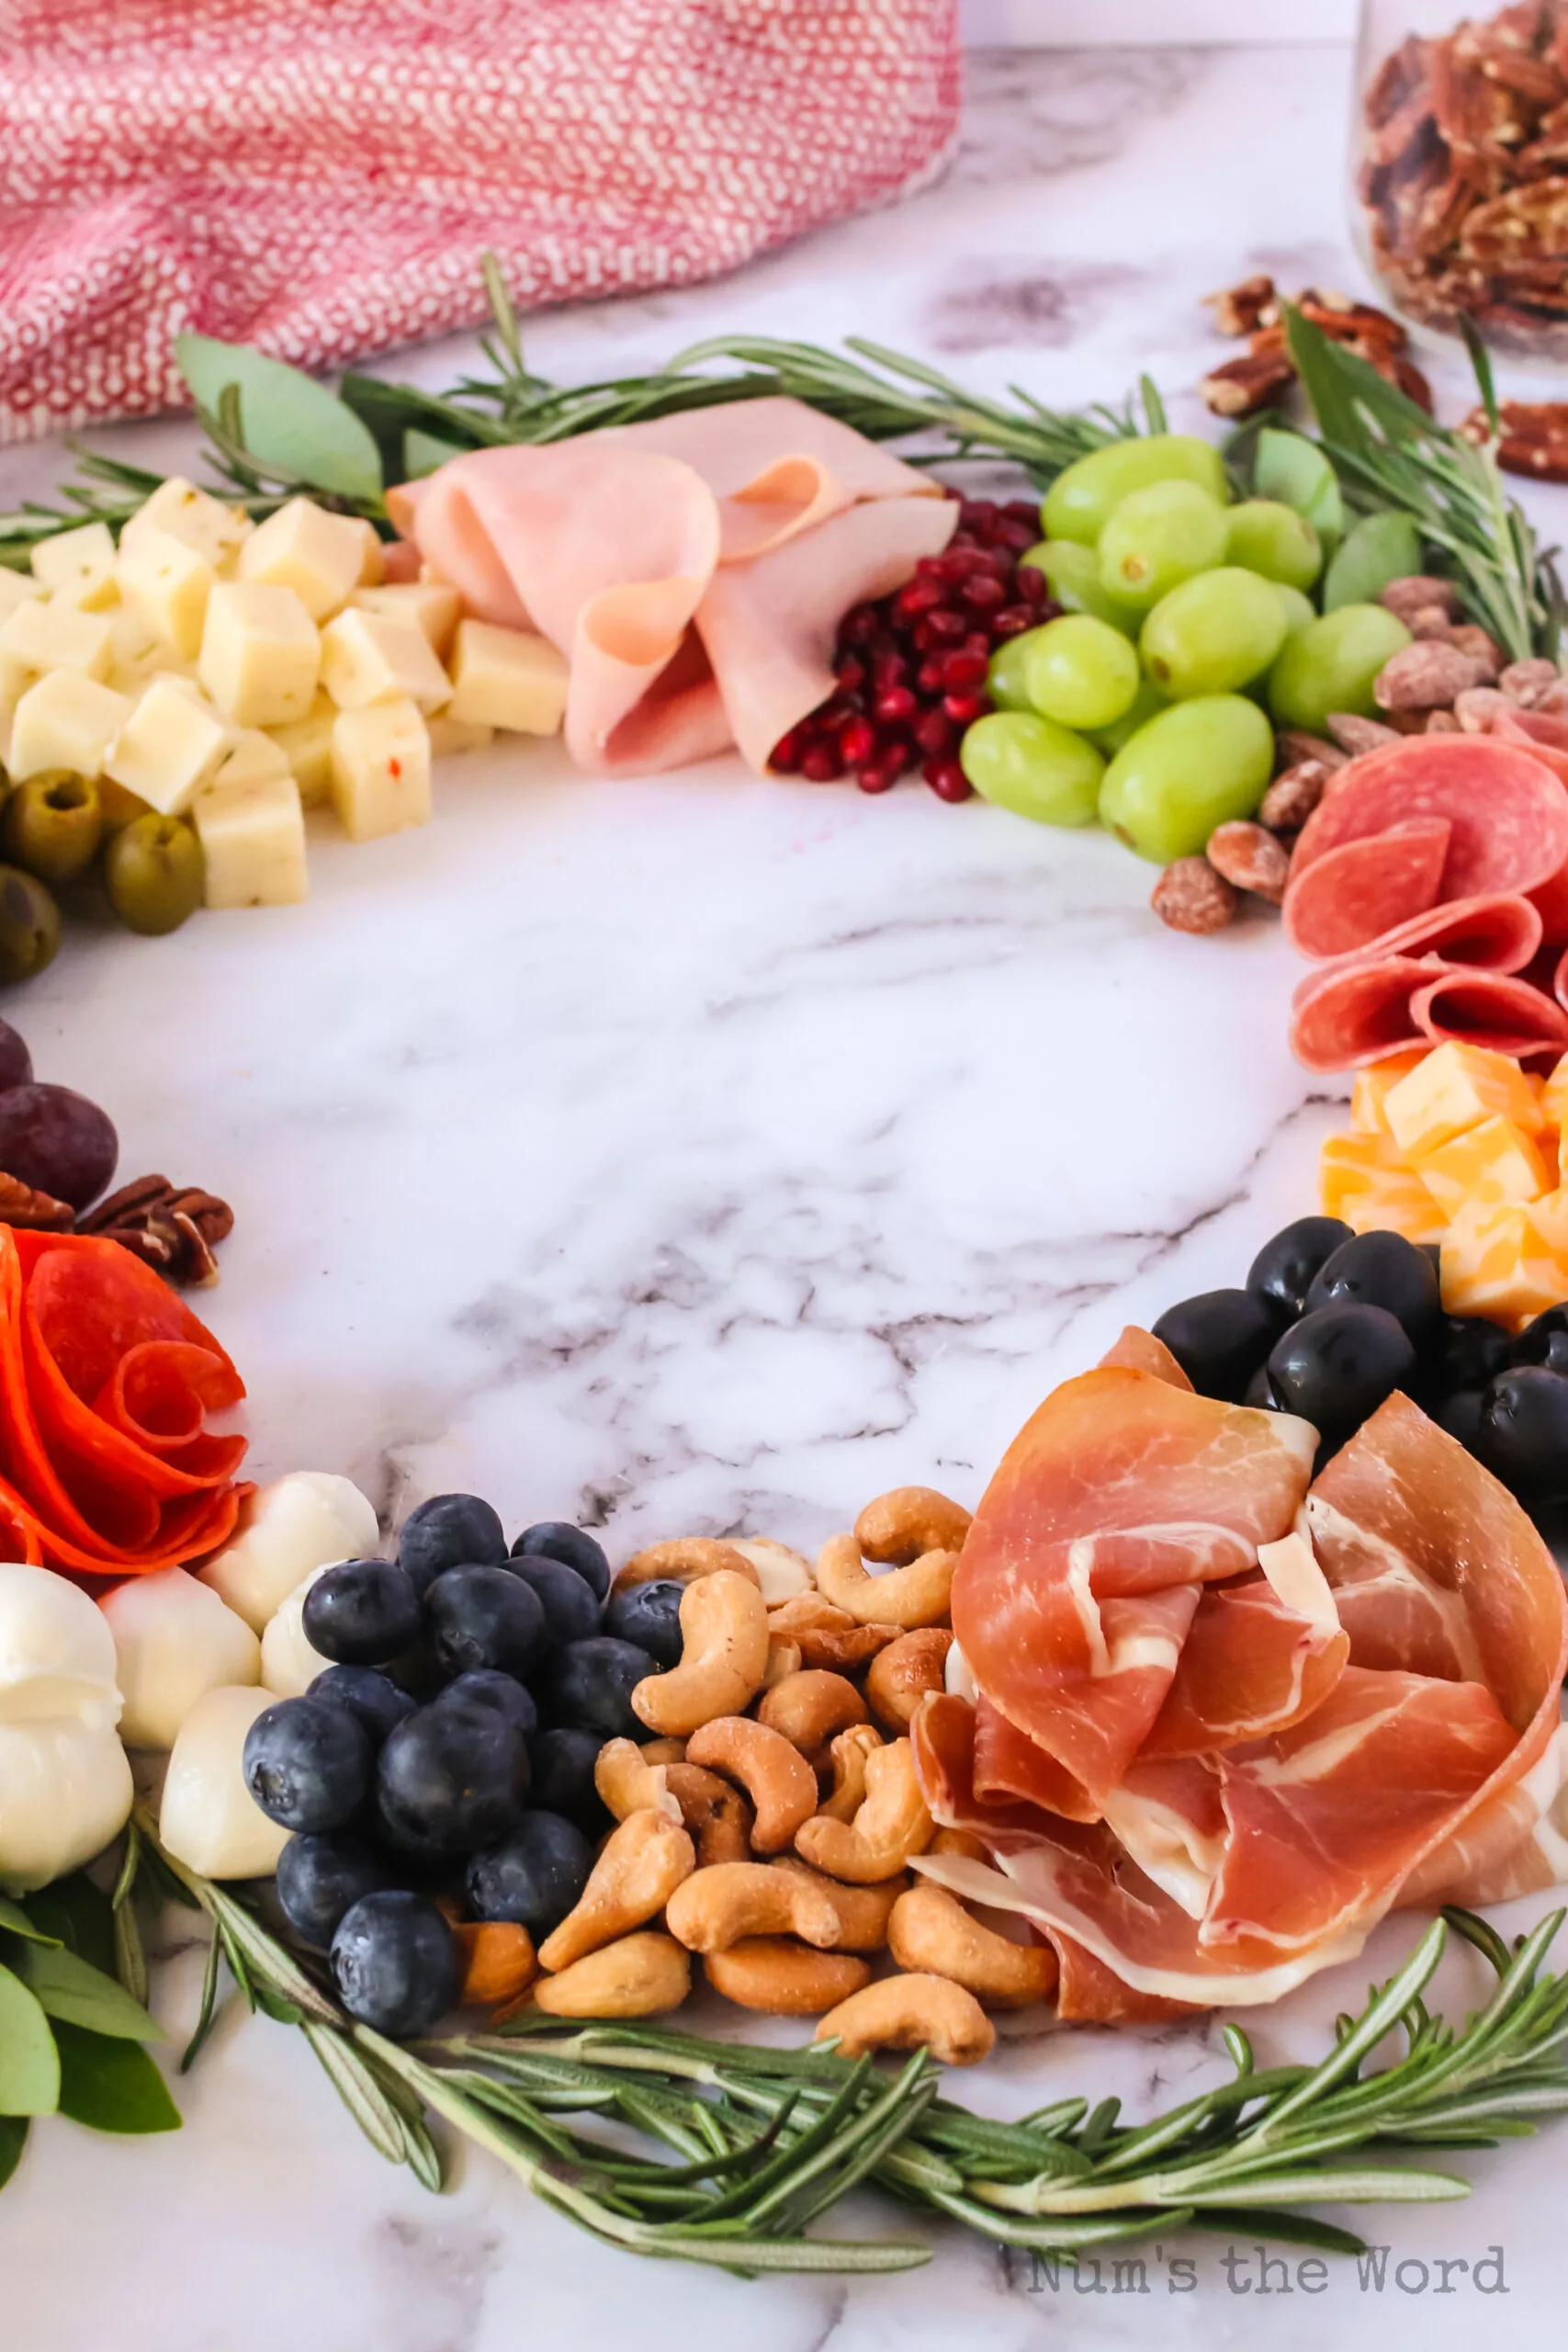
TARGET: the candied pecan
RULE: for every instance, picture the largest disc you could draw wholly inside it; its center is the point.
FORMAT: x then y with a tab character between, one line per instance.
1431	620
1427	676
1356	735
1524	682
1294	744
1292	797
1441	722
1249	858
1534	439
1476	710
173	1229
1417	593
1471	638
1189	896
1241	387
1241	310
31	1211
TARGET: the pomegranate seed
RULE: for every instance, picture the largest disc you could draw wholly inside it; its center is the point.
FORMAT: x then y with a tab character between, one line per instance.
947	779
945	627
899	751
860	623
920	596
785	758
960	670
830	715
857	741
984	592
821	765
1023	510
895	703
979	514
888	670
849	674
1031	584
876	777
963	709
930	680
935	733
1015	620
1018	536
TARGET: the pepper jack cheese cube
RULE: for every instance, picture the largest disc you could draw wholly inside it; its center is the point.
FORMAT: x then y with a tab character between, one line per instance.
166	582
261	653
78	566
66	720
449	735
307	744
252	838
1371	1090
377	657
380	778
1493	1162
253	759
40	637
431	602
169	747
505	677
210	529
1454	1087
319	555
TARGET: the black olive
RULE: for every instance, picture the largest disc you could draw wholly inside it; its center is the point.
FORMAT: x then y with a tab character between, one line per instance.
1338	1363
1284	1267
1262	1393
1544	1341
1459	1414
1381	1270
1523	1436
1219	1339
1466	1353
1550	1514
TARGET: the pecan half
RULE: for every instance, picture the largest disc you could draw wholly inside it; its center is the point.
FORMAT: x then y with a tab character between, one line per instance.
1241	387
176	1230
1242	309
1534	439
32	1212
1189	896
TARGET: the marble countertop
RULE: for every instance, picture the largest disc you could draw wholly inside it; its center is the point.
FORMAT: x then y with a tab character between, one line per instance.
704	1154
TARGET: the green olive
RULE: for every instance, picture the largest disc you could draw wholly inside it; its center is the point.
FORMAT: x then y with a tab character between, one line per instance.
29	924
52	825
120	806
154	873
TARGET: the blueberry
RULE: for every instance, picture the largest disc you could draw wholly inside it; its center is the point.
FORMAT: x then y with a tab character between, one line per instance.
1283	1269
553	1539
362	1613
1459	1414
484	1617
453	1778
1466	1353
650	1615
320	1878
308	1764
1523	1437
535	1877
448	1531
484	1687
563	1779
590	1684
1543	1342
375	1701
395	1963
1381	1270
1219	1339
569	1601
1338	1363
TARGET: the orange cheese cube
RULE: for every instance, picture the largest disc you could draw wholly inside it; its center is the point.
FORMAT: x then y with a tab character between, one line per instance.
1501	1259
1552	1092
1362	1179
1456	1087
1371	1086
1493	1161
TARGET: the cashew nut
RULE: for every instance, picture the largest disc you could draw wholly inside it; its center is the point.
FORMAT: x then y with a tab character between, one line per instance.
911	2013
497	1959
898	1526
682	1560
920	1594
723	1633
828	1637
662	1751
784	1573
930	1930
903	1673
784	1979
774	1775
890	1826
628	1783
783	1658
639	1866
863	1911
637	1978
848	1755
809	1708
960	1841
715	1908
717	1814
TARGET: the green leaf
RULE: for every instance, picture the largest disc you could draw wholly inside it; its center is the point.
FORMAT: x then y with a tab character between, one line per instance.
16	1922
70	1988
29	2064
1377	548
1293	470
422	452
75	1913
288	420
111	2085
13	2140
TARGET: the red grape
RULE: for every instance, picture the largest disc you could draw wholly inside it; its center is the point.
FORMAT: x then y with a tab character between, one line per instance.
58	1142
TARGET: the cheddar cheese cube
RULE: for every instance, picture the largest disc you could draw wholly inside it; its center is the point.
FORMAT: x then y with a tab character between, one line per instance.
449	735
252	838
1493	1162
1364	1180
307	745
380	657
214	531
380	769
261	653
319	555
41	636
1551	1091
65	720
78	566
505	677
168	584
170	746
251	758
18	588
435	607
1454	1087
1371	1090
1497	1259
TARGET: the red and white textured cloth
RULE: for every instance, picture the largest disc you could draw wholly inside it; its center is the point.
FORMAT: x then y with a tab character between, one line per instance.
321	177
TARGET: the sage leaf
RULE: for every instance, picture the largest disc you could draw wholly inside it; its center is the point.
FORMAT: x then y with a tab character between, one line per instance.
69	1987
1379	548
422	452
29	2064
111	2084
16	1922
77	1914
13	2140
287	419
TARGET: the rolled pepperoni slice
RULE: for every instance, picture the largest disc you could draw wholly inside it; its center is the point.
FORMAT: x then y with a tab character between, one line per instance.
1499	933
1357	1012
1354	894
1511	1016
1507	811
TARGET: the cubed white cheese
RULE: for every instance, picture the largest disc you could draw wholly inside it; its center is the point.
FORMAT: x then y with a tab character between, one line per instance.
307	744
18	588
252	837
319	555
41	636
261	653
449	735
506	677
380	779
168	584
431	604
375	657
213	530
255	759
372	567
170	745
66	720
78	566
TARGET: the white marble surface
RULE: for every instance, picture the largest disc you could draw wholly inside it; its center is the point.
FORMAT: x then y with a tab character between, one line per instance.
705	1154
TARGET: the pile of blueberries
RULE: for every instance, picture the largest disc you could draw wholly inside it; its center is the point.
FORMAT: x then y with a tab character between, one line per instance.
1330	1323
449	1749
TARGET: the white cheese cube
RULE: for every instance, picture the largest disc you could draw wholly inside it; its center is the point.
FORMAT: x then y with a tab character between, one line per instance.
18	588
431	602
169	747
449	735
214	531
380	779
319	555
307	744
66	720
255	759
41	636
261	654
375	657
507	677
372	565
78	566
166	582
252	837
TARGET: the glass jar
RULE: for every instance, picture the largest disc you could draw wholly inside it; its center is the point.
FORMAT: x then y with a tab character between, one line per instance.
1459	151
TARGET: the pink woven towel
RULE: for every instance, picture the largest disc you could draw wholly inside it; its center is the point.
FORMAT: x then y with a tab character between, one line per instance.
321	177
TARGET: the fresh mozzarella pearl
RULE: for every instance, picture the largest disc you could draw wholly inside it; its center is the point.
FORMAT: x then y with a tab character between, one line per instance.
289	1664
208	1818
299	1522
784	1574
958	1676
65	1791
173	1639
56	1652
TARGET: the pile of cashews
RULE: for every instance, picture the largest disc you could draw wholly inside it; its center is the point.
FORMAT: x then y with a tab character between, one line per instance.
769	1824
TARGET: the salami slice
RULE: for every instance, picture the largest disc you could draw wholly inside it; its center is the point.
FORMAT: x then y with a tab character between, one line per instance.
1551	902
1498	934
1357	1012
1508	811
1354	894
1546	734
1511	1016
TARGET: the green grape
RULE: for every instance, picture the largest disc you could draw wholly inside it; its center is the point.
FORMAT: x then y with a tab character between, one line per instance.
1331	665
1033	768
1072	574
1158	537
1199	764
1004	679
1379	548
1145	703
1265	534
1289	467
1080	502
1080	672
1213	634
1299	610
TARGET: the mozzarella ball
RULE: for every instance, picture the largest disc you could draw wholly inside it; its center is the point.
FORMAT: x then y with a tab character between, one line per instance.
302	1521
289	1664
208	1818
173	1639
57	1655
65	1791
